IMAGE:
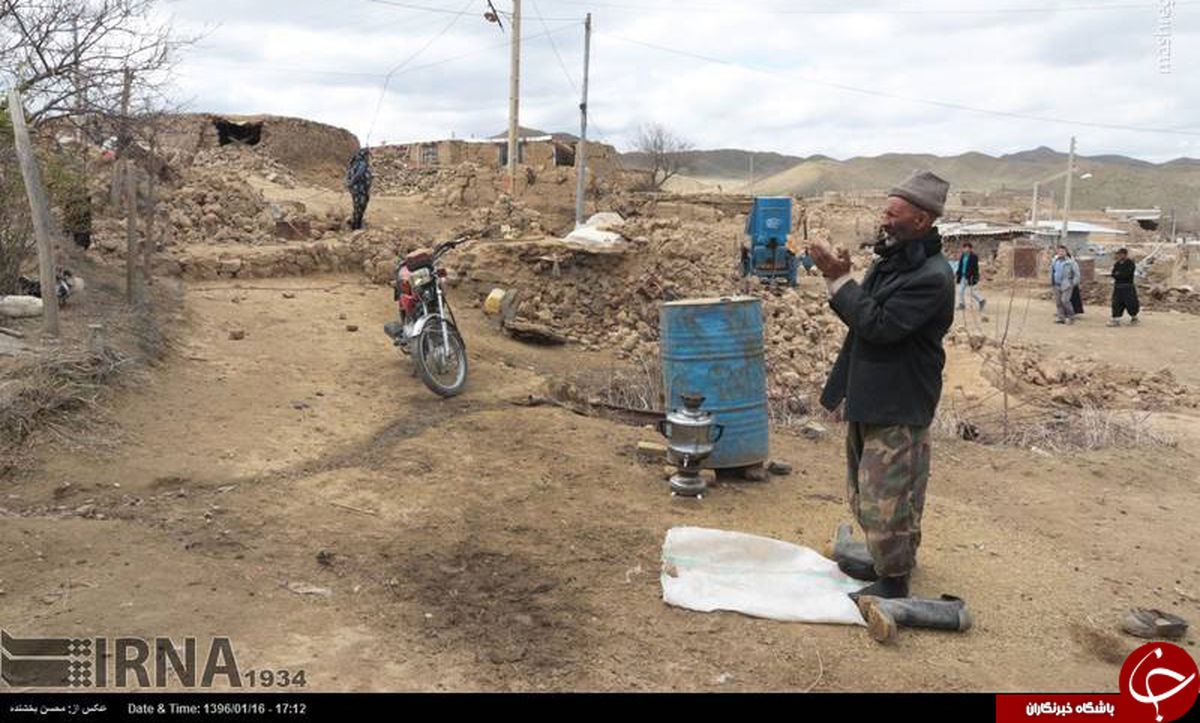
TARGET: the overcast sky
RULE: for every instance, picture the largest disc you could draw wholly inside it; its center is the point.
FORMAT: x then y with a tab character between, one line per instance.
840	78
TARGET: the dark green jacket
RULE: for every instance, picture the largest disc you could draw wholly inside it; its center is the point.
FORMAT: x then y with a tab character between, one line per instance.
889	370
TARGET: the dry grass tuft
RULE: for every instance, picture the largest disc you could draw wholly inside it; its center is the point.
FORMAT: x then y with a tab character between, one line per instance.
55	384
1087	428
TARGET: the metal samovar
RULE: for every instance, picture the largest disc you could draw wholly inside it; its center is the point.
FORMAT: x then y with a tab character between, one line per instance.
692	435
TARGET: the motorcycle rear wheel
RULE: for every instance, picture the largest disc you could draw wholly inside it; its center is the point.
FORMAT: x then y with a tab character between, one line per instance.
442	368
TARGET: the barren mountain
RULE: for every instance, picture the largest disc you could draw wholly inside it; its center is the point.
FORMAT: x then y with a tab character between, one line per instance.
1115	180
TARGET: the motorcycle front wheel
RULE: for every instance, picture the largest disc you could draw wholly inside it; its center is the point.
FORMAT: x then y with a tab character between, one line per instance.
441	358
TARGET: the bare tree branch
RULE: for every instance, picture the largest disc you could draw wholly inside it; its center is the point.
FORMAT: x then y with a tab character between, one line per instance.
663	148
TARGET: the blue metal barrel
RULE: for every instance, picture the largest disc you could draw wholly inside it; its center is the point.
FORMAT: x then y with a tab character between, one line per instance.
714	347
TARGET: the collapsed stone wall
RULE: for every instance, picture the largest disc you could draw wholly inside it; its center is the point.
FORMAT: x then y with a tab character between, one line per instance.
1074	380
371	253
315	151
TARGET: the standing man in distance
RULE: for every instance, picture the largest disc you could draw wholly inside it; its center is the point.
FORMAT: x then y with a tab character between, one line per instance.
889	374
358	183
1124	296
967	276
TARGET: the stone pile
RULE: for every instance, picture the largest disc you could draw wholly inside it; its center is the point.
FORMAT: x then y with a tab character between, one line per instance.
1077	381
612	300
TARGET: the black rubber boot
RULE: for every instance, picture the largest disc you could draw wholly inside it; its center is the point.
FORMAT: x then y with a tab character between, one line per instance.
884	587
884	616
852	556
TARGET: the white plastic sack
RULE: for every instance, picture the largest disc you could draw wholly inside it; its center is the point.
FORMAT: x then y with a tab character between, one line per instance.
19	307
605	221
590	238
708	570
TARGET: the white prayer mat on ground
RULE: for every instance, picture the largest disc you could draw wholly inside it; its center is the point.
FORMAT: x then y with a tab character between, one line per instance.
708	570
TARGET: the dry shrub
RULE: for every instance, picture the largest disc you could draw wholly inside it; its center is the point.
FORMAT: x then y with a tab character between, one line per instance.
632	387
53	385
1087	428
1091	428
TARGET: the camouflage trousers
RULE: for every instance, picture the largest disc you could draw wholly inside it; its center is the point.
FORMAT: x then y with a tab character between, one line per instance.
887	470
360	200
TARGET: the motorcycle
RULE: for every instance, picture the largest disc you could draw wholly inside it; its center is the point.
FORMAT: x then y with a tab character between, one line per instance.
427	330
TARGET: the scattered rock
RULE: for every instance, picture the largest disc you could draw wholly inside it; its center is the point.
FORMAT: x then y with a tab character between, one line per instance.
63	490
651	451
779	467
532	332
304	588
85	510
814	430
325	557
755	473
724	679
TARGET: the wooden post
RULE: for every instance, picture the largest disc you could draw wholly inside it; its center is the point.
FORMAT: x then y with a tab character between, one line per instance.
514	98
39	209
148	242
125	142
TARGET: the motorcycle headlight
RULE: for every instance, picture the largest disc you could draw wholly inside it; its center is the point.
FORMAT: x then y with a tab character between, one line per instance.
420	277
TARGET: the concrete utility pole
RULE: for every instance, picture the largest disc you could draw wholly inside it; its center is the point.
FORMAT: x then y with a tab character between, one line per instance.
39	209
581	151
1067	193
514	97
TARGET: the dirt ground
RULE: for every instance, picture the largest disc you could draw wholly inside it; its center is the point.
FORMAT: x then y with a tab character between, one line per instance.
477	545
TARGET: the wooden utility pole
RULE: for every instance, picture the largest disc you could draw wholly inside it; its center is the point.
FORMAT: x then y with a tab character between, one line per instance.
581	151
514	97
39	209
123	146
1067	193
148	243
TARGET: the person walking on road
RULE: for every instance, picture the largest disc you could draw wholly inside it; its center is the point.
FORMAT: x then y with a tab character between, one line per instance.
967	276
1124	296
1064	278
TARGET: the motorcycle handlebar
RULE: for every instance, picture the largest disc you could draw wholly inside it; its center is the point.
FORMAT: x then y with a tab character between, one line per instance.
448	245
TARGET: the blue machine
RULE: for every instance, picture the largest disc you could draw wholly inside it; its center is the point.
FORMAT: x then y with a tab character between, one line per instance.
714	348
767	227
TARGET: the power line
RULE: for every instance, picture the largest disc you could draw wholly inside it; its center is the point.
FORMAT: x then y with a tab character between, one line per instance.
680	8
280	69
409	59
426	8
406	71
503	44
894	96
537	11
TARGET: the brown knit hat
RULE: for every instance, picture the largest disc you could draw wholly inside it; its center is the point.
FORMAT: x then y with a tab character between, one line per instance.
923	189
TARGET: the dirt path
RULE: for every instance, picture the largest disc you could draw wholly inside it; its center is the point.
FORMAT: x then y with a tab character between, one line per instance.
1164	338
396	212
475	545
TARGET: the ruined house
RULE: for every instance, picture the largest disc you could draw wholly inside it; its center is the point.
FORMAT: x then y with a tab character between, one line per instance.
535	148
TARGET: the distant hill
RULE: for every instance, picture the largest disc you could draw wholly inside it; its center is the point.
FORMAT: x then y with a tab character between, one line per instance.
722	163
1115	181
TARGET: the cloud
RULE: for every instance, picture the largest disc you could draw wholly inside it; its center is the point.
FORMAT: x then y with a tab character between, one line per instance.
776	87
